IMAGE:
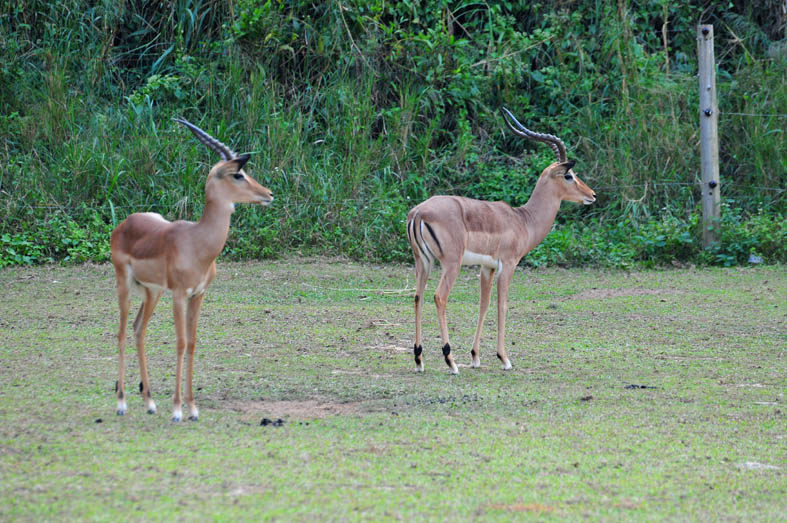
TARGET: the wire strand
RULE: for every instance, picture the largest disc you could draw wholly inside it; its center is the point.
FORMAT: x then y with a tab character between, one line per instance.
758	115
151	207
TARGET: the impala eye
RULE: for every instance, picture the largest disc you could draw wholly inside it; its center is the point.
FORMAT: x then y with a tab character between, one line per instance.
238	176
568	177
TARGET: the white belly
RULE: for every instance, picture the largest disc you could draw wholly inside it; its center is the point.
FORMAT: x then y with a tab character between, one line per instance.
200	288
137	283
156	288
484	260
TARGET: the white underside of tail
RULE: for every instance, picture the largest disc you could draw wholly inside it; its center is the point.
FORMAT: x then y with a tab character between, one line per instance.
426	245
427	260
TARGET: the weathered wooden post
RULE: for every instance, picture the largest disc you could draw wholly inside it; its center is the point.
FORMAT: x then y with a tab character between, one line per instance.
709	136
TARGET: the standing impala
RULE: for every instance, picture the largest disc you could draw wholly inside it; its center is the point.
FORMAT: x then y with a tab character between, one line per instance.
460	231
151	254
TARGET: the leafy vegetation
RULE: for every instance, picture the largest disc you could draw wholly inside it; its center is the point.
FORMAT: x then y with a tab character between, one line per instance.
358	110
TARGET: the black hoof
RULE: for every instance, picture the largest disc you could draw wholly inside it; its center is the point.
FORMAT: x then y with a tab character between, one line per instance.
193	418
175	420
151	411
121	412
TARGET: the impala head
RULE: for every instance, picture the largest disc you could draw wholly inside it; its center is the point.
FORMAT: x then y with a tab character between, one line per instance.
227	179
568	184
560	174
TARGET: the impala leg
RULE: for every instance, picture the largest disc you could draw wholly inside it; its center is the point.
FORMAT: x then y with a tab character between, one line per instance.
447	280
179	311
192	315
140	329
422	271
487	277
503	284
125	304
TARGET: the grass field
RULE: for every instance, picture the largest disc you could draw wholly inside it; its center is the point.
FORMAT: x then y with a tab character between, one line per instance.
326	346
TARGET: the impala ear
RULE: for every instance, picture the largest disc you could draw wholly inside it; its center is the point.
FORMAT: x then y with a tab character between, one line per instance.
233	166
568	165
241	160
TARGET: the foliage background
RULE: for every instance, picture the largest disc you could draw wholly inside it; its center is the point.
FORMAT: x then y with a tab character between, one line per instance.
357	110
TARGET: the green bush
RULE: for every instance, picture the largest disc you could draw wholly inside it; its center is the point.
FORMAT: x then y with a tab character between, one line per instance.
57	237
356	111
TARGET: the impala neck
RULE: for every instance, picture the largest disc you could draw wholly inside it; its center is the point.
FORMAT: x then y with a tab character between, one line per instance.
214	227
539	212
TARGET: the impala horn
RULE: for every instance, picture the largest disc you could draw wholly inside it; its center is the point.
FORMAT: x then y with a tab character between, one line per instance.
553	141
225	152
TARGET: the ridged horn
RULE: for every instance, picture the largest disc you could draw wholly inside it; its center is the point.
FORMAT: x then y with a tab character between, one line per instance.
225	152
556	143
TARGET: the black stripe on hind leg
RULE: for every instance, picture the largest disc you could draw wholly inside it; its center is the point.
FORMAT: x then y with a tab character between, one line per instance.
434	237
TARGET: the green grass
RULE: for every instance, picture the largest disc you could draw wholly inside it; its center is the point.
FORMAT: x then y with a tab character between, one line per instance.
326	345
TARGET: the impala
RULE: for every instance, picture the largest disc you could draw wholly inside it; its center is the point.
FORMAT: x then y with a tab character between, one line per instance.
151	254
461	231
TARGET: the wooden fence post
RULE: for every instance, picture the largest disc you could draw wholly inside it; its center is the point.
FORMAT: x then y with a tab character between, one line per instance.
709	136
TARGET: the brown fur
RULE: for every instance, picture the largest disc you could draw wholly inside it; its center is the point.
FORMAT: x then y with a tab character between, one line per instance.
180	256
494	229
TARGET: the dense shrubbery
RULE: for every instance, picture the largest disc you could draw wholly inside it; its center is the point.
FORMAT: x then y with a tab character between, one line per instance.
359	110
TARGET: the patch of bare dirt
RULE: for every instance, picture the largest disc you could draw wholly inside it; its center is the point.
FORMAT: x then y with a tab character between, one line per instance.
688	358
359	372
600	294
524	507
295	409
394	348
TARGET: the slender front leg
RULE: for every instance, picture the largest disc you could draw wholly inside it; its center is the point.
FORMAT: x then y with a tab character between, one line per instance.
192	316
447	280
179	311
422	270
503	283
487	277
125	305
140	328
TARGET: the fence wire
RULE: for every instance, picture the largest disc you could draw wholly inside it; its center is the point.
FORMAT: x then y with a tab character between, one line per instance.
758	115
361	200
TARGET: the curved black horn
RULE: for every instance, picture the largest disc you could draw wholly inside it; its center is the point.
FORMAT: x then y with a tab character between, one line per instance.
556	143
225	152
